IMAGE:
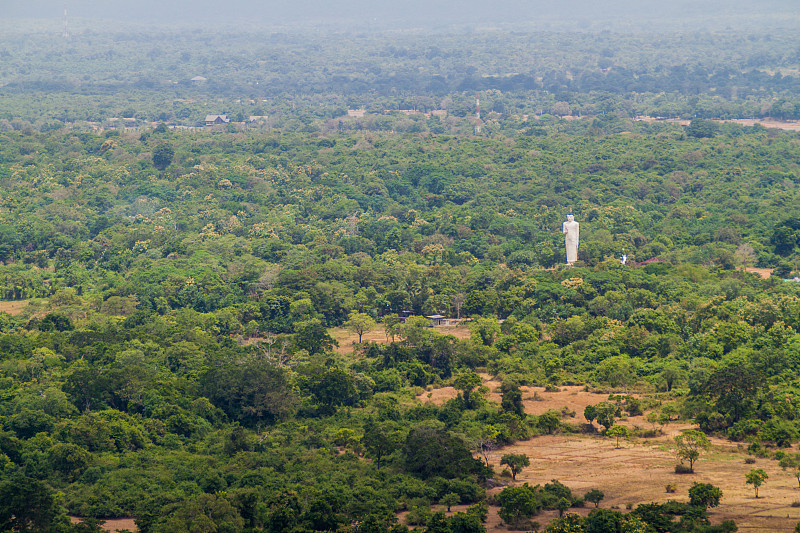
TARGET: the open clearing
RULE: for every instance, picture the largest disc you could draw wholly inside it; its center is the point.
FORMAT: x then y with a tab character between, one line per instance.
639	471
114	524
14	307
346	338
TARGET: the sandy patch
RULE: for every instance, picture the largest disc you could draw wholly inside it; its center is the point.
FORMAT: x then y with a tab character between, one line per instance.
113	524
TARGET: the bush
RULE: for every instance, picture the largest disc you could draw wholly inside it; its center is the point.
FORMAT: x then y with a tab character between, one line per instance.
683	469
517	504
749	460
671	488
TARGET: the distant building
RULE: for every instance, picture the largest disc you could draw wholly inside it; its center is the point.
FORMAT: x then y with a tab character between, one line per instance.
199	79
215	120
436	320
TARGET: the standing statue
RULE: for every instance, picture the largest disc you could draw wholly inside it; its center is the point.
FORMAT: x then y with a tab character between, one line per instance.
571	231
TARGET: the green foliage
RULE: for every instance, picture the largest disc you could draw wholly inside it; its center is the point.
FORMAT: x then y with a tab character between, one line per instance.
756	477
27	504
433	451
594	496
516	462
163	155
617	432
689	445
704	495
517	504
512	398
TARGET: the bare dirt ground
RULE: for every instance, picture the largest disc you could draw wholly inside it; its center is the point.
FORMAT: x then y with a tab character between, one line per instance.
640	469
113	524
346	338
763	272
13	307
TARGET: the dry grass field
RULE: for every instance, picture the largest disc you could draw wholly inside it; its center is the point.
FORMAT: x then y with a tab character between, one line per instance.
13	307
640	469
346	338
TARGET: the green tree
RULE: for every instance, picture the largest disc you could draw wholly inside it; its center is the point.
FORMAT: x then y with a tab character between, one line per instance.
162	156
517	504
548	421
603	521
569	523
590	413
392	325
516	462
594	496
617	432
204	512
735	387
604	414
360	323
466	383
756	477
466	523
792	462
27	504
484	330
312	336
562	505
381	438
704	495
689	445
450	499
430	450
512	397
332	388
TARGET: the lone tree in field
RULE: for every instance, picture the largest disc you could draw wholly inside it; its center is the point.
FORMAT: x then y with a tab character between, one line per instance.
360	323
756	477
594	496
618	432
516	462
689	445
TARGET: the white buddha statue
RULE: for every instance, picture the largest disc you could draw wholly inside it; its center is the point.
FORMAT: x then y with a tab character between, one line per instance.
571	231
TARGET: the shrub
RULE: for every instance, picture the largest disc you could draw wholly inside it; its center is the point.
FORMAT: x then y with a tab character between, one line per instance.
683	469
671	488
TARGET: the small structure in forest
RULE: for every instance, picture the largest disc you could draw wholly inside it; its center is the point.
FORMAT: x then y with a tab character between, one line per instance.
436	320
215	120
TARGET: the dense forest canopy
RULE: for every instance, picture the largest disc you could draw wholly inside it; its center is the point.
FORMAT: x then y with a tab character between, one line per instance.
167	353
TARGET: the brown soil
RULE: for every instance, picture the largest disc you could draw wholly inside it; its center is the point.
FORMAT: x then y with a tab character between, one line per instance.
640	469
763	272
113	524
13	308
346	338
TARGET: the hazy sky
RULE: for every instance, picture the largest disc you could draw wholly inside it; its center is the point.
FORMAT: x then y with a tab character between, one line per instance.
403	13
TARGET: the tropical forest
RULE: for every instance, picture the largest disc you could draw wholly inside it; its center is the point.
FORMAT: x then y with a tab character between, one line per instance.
314	280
